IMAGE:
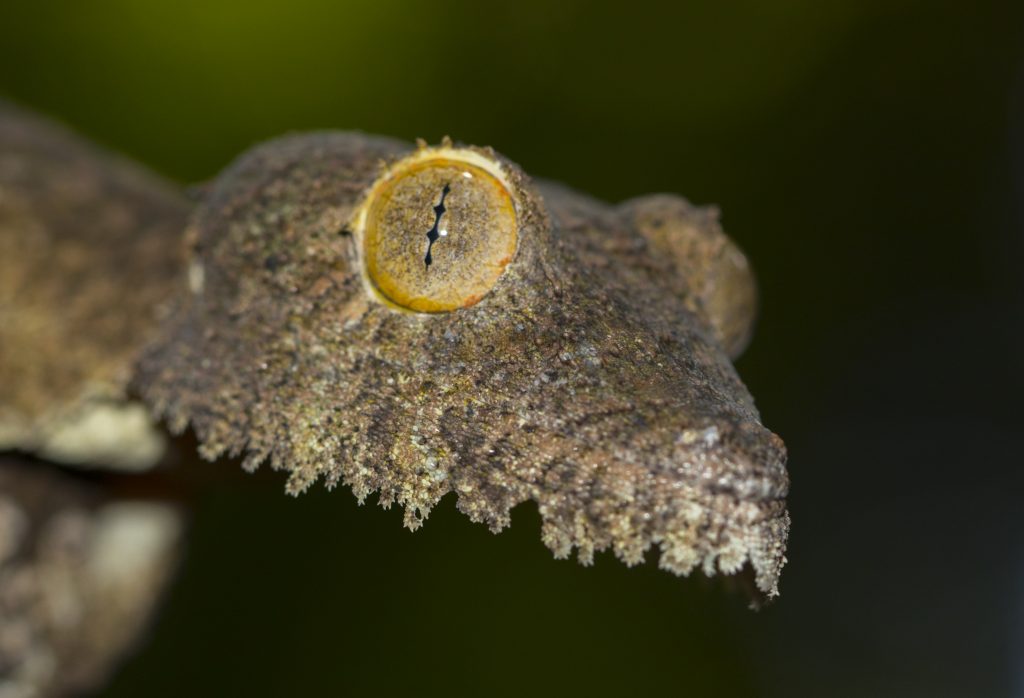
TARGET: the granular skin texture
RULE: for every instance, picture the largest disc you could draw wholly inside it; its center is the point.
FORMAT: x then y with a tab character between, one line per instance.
90	254
594	378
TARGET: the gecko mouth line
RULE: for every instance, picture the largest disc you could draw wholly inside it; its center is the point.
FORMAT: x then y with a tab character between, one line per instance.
435	233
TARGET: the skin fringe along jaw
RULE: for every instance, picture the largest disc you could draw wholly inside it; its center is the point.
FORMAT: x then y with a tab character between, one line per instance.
590	376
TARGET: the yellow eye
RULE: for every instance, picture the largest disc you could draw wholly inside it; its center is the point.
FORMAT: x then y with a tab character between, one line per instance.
437	232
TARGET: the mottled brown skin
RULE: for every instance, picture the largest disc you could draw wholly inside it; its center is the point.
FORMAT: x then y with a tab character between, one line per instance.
90	254
593	379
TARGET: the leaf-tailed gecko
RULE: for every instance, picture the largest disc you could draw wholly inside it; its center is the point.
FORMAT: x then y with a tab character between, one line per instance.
401	319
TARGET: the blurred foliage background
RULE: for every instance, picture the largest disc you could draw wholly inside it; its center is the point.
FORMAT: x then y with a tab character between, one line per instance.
869	157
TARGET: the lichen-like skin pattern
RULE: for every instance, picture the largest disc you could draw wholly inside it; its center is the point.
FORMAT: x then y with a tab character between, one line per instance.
90	253
593	378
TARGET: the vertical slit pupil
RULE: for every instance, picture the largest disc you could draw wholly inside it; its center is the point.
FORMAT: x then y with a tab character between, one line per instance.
433	234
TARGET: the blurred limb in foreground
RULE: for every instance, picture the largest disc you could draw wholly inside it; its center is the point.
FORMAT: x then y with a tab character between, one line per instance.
90	251
81	573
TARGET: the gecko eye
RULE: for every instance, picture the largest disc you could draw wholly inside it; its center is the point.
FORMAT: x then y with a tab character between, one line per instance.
438	231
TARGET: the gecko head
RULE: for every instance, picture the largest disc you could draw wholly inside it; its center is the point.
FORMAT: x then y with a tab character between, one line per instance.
418	322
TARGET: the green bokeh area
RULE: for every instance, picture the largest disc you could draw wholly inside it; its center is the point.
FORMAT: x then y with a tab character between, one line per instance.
861	152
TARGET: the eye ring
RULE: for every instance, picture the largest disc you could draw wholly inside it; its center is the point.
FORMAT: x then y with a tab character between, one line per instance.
437	230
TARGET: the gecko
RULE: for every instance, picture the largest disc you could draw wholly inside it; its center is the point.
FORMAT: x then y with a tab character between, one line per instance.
405	320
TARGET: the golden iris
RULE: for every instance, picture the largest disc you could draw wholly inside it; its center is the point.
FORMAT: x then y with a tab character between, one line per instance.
437	235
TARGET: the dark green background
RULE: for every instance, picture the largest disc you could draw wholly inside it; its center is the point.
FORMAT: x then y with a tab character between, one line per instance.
867	155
